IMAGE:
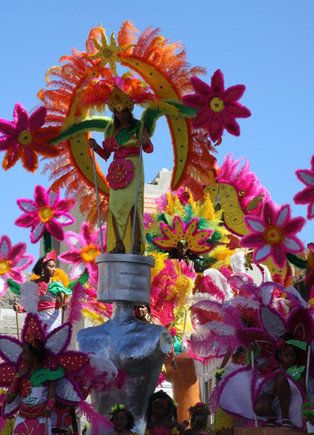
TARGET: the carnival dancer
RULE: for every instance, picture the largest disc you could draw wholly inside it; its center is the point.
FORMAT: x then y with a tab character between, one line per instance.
126	137
162	415
34	384
122	419
43	294
199	420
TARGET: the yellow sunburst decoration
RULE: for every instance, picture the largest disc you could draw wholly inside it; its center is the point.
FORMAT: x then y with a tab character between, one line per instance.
108	53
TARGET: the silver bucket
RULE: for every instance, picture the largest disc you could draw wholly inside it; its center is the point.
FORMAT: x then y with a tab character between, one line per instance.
124	277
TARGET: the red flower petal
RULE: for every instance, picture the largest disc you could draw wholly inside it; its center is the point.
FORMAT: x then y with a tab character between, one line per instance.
7	127
230	124
17	250
233	93
71	257
21	116
25	220
237	110
269	214
217	83
86	232
201	87
7	373
215	129
40	196
305	196
29	159
37	118
55	230
45	150
279	255
193	100
294	225
204	116
10	158
252	240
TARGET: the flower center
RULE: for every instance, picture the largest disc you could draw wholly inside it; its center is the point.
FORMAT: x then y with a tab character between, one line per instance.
89	253
107	53
45	214
5	267
272	235
216	104
25	137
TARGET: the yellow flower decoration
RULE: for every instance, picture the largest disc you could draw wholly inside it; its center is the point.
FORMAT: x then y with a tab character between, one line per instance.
108	53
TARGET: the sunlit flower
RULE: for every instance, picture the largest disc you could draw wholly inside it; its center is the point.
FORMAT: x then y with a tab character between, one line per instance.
306	196
25	137
13	261
47	212
273	234
217	107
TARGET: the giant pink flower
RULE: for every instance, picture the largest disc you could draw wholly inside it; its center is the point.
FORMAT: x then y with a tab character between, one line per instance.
273	234
306	196
13	261
217	107
47	212
25	138
84	248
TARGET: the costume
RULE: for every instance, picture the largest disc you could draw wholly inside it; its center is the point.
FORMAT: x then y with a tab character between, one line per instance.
126	181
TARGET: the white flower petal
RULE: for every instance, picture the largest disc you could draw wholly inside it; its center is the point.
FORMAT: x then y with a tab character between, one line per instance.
262	252
291	244
52	197
73	239
256	226
57	341
311	211
27	205
10	349
4	248
63	219
307	178
77	270
282	215
37	231
65	391
2	286
22	261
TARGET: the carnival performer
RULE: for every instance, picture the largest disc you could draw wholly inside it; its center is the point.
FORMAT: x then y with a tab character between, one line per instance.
35	385
199	420
48	294
126	137
162	415
277	395
122	419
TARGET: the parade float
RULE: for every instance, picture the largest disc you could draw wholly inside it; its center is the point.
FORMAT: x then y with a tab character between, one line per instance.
213	264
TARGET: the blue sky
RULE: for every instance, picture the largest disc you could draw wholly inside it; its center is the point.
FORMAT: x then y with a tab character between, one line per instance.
267	45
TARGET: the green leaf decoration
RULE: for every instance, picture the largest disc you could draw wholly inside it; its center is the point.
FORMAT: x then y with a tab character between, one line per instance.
185	111
47	242
82	279
161	217
149	118
14	287
89	124
296	261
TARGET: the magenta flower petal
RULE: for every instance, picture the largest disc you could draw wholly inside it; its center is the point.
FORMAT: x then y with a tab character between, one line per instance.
193	100
310	211
294	225
40	196
233	93
251	240
55	229
306	176
6	127
17	250
269	213
65	204
203	117
86	233
279	255
71	257
25	220
217	83
231	124
201	87
305	196
17	276
24	262
29	159
37	118
21	116
237	110
215	129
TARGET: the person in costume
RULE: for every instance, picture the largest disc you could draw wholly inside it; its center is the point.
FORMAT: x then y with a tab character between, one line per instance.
35	385
49	295
199	420
162	415
122	420
276	394
126	137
